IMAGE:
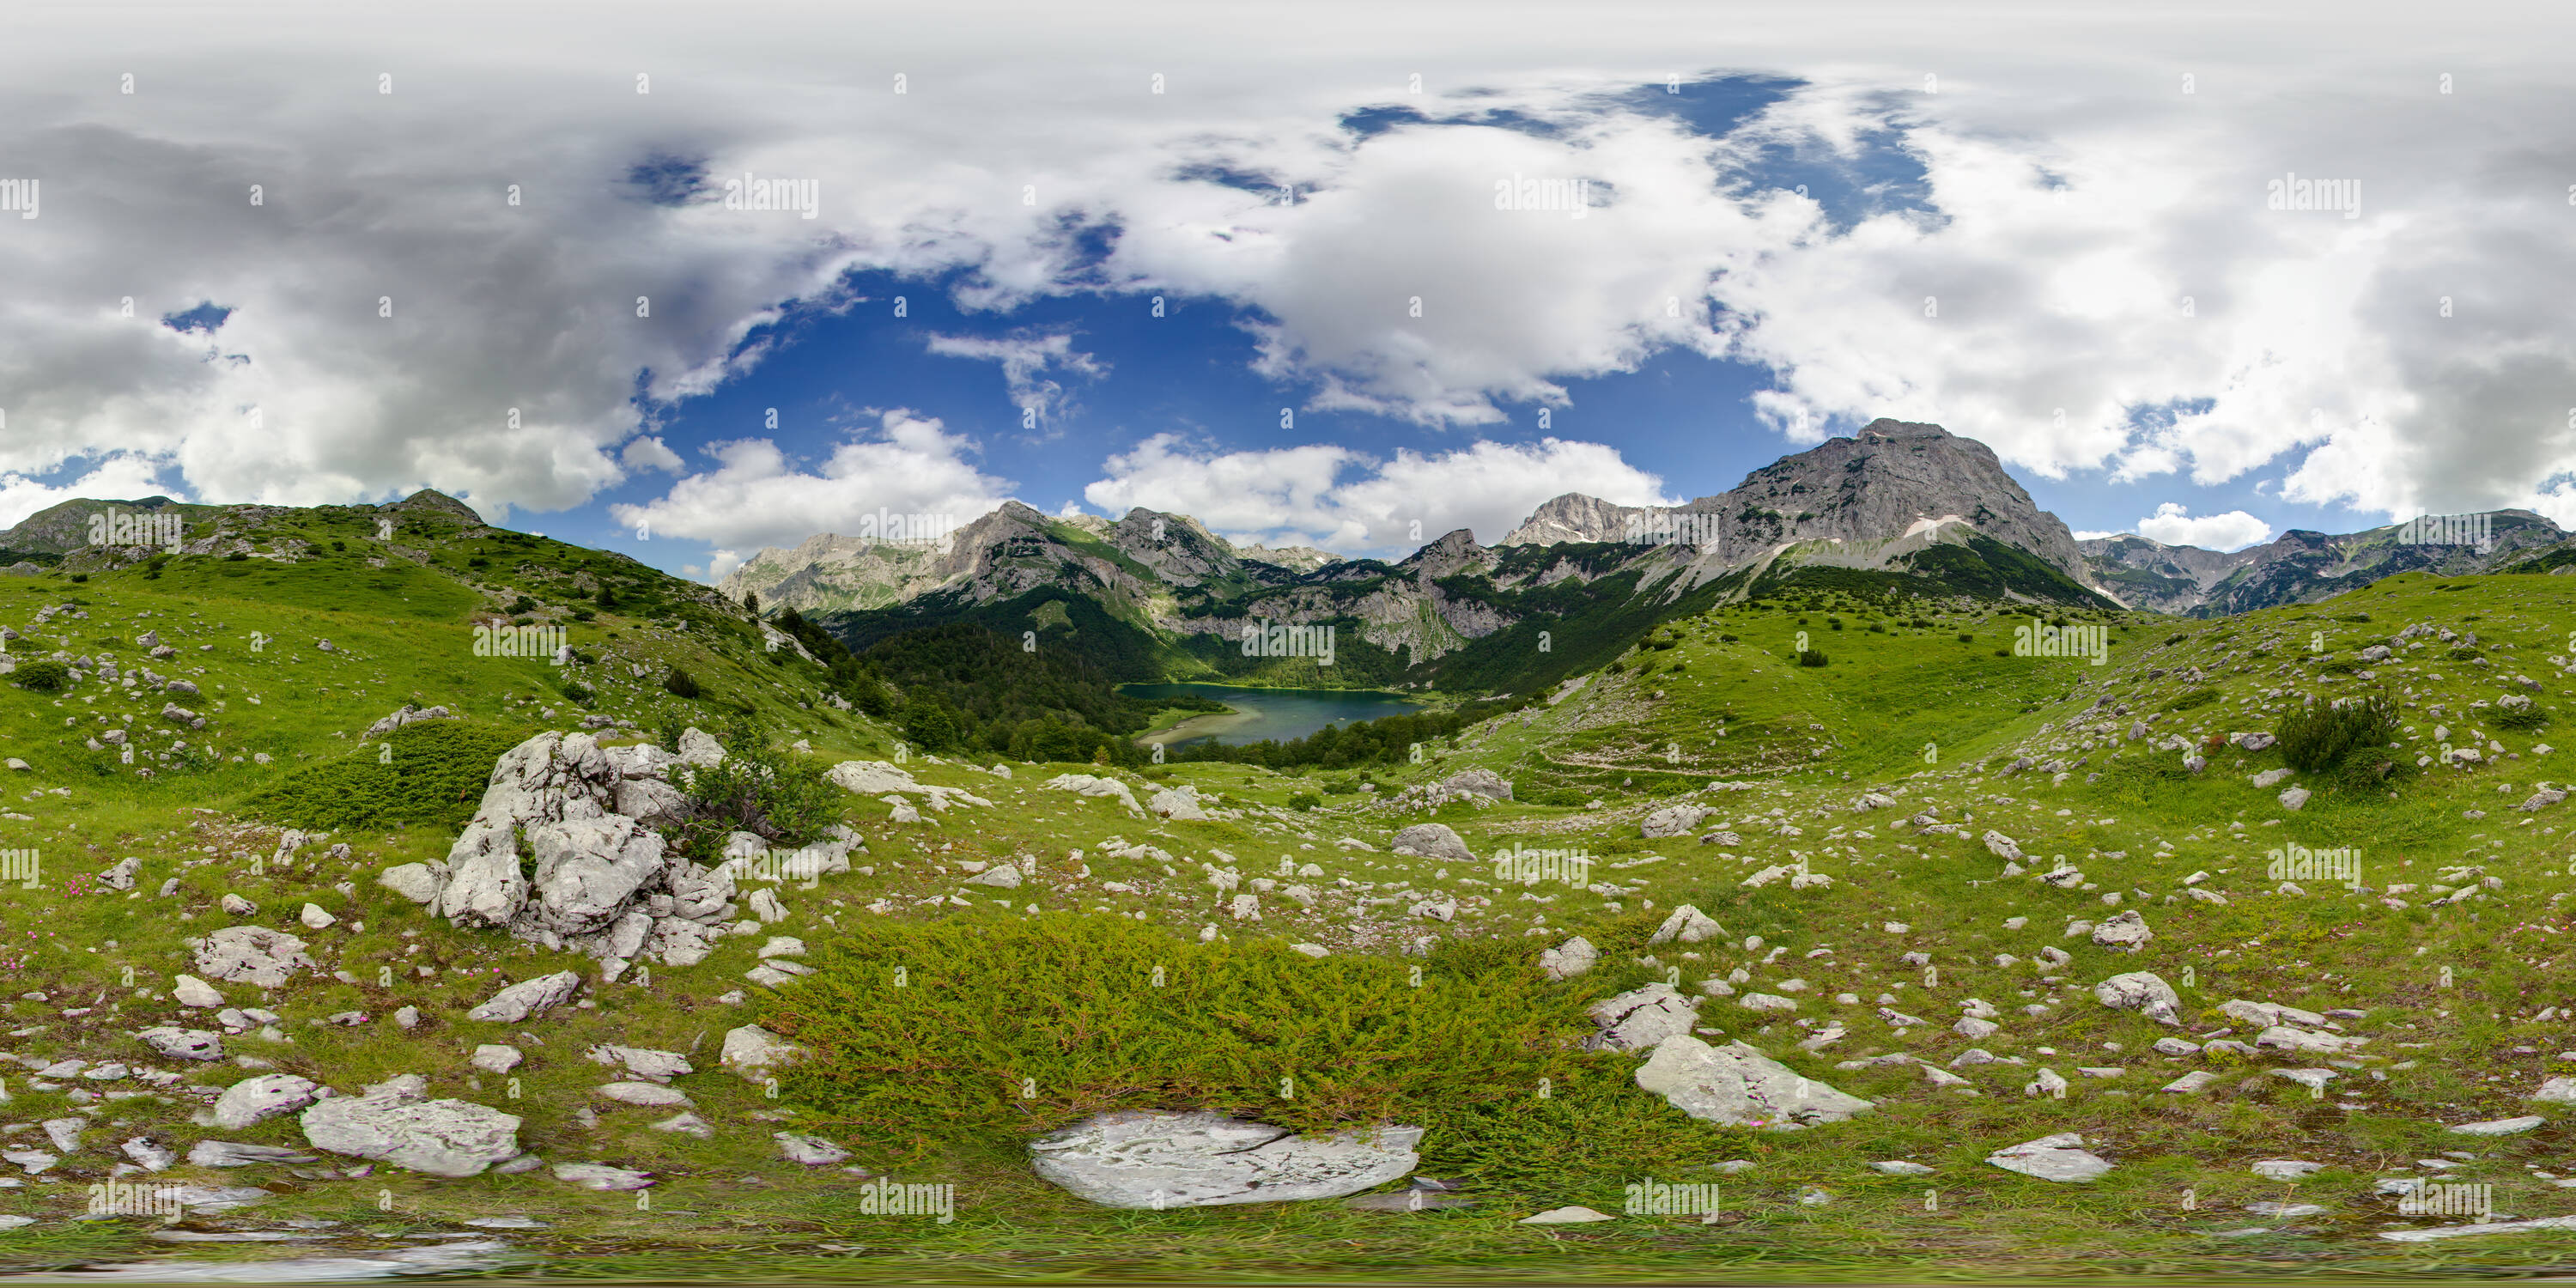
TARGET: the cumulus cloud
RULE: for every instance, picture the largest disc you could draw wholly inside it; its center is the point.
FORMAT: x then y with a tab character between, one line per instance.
1338	499
2173	525
758	496
650	453
2085	280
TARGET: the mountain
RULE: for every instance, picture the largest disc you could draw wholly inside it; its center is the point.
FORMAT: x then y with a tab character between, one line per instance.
1885	492
2304	567
1898	508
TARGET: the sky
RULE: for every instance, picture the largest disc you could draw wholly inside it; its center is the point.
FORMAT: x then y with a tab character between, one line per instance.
690	281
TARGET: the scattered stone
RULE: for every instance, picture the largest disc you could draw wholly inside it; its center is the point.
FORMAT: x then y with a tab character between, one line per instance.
1642	1018
528	997
225	1153
600	1176
808	1150
2061	1158
1576	1215
2499	1126
265	1096
1738	1086
2285	1169
395	1122
1569	959
183	1044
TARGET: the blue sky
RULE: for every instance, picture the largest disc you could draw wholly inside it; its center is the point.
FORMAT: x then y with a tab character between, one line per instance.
521	280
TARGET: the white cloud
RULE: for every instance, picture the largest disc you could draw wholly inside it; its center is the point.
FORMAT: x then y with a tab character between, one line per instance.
2316	342
758	497
2233	530
1025	360
1337	499
650	453
121	477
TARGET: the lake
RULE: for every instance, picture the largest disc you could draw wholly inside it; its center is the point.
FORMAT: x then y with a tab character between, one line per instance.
1281	714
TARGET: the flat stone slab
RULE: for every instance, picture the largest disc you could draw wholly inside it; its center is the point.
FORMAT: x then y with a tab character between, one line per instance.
1142	1159
2500	1126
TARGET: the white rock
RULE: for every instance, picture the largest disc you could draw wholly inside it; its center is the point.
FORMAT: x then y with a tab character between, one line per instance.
190	991
1642	1018
527	997
808	1150
1140	1159
1576	1215
756	1053
492	1057
1569	959
314	918
2060	1158
1738	1086
600	1176
2499	1126
2285	1169
266	1096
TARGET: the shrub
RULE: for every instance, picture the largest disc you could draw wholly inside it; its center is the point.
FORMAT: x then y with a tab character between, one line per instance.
237	556
2190	698
576	692
2005	652
1304	800
2319	737
520	605
1966	638
2527	717
781	798
339	545
1725	639
1341	787
1810	657
681	684
43	675
2463	653
1091	1030
79	577
436	778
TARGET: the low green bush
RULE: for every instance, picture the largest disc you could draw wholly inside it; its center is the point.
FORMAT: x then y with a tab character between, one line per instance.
2321	736
44	675
994	1029
436	777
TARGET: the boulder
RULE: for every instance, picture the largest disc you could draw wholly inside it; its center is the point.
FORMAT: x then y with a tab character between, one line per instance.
2060	1158
266	1096
587	870
1569	959
1674	820
2124	932
1688	925
1432	841
396	1123
1642	1018
871	778
808	1150
1479	782
643	1062
252	955
1086	785
188	990
418	882
2294	798
2003	847
1178	803
121	876
183	1044
1153	1159
526	998
1737	1086
492	1057
756	1053
2141	991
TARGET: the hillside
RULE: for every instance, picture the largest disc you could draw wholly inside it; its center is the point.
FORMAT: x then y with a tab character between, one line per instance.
1908	860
